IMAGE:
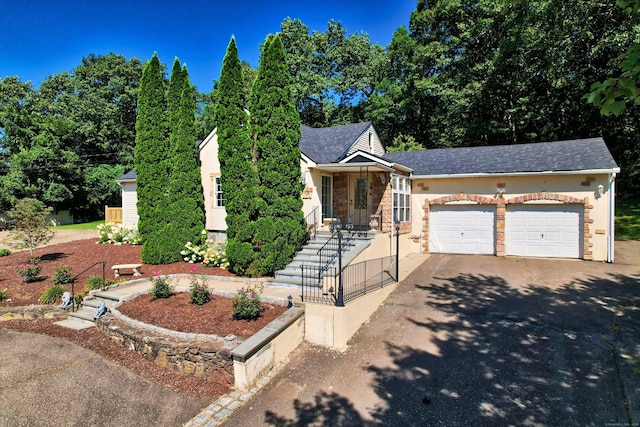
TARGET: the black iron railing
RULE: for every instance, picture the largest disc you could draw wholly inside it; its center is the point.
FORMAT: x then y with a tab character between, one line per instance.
339	242
313	221
73	281
349	283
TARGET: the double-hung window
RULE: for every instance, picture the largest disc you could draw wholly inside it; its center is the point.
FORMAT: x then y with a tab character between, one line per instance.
401	192
218	196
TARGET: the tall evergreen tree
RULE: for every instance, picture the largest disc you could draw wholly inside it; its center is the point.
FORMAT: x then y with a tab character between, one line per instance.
150	159
237	167
174	96
185	200
275	125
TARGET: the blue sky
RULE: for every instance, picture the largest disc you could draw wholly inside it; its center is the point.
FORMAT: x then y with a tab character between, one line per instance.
39	38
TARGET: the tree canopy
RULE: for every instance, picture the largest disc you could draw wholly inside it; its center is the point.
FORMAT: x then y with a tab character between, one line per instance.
77	128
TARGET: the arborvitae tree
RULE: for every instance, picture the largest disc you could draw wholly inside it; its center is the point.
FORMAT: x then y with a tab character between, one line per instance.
185	200
150	159
237	168
275	126
174	96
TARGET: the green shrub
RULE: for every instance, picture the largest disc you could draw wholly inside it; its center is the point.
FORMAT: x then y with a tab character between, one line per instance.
5	252
3	294
209	253
94	282
246	304
161	287
62	275
29	272
114	234
199	291
78	298
52	294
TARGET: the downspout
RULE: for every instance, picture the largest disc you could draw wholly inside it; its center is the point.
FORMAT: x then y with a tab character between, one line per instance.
612	214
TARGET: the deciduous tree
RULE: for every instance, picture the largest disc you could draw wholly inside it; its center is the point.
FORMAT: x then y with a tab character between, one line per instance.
30	224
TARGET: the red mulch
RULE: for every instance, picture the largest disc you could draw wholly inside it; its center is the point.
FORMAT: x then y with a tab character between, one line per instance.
179	314
176	312
79	255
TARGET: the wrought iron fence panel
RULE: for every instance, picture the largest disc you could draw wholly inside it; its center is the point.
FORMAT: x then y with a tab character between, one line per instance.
318	284
321	285
363	277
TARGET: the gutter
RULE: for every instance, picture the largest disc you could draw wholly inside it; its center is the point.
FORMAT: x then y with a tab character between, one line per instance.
612	215
498	174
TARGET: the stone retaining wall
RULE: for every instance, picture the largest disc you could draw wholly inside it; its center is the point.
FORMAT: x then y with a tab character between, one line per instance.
197	356
32	312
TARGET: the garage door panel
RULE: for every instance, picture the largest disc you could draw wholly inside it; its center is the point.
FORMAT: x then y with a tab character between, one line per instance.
463	229
544	230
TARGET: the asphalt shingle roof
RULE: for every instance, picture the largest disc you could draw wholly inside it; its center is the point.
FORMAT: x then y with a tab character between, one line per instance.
129	176
328	145
573	155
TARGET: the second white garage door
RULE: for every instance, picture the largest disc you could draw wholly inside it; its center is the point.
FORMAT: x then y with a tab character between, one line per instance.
543	230
462	229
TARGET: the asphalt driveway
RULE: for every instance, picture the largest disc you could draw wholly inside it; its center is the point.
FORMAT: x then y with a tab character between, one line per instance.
47	381
476	340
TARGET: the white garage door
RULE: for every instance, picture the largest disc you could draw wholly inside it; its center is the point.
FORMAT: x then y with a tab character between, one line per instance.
544	230
462	229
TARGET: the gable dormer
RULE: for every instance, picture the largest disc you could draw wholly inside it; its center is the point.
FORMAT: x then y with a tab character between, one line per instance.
368	142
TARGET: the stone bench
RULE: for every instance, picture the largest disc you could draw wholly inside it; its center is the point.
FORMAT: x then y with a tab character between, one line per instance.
135	267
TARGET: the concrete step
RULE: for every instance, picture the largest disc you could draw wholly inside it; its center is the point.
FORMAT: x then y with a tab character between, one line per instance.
95	302
85	314
108	296
290	282
76	324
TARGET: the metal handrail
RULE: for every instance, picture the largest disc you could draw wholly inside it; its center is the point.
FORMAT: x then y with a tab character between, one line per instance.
331	250
312	222
73	281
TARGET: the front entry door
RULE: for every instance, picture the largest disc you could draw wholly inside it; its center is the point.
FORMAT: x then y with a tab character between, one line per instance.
361	204
326	197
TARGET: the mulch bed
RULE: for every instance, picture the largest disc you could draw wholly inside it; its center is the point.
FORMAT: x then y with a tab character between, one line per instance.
79	255
176	312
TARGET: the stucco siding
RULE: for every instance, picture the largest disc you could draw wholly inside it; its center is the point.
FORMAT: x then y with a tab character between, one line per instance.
209	169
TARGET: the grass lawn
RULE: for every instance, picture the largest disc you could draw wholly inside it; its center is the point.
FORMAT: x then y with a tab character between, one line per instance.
84	226
627	220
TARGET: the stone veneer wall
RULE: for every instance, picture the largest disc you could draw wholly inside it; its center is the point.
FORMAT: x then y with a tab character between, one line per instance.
341	195
193	354
32	312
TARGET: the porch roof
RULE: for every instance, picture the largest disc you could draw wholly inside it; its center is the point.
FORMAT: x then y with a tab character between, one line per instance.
352	167
362	159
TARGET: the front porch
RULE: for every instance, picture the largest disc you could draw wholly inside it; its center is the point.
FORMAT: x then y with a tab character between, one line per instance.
364	196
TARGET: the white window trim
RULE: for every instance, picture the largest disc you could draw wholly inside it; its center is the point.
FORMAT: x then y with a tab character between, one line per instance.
401	192
217	191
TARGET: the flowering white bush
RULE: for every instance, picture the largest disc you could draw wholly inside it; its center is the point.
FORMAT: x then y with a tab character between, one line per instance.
114	234
209	253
